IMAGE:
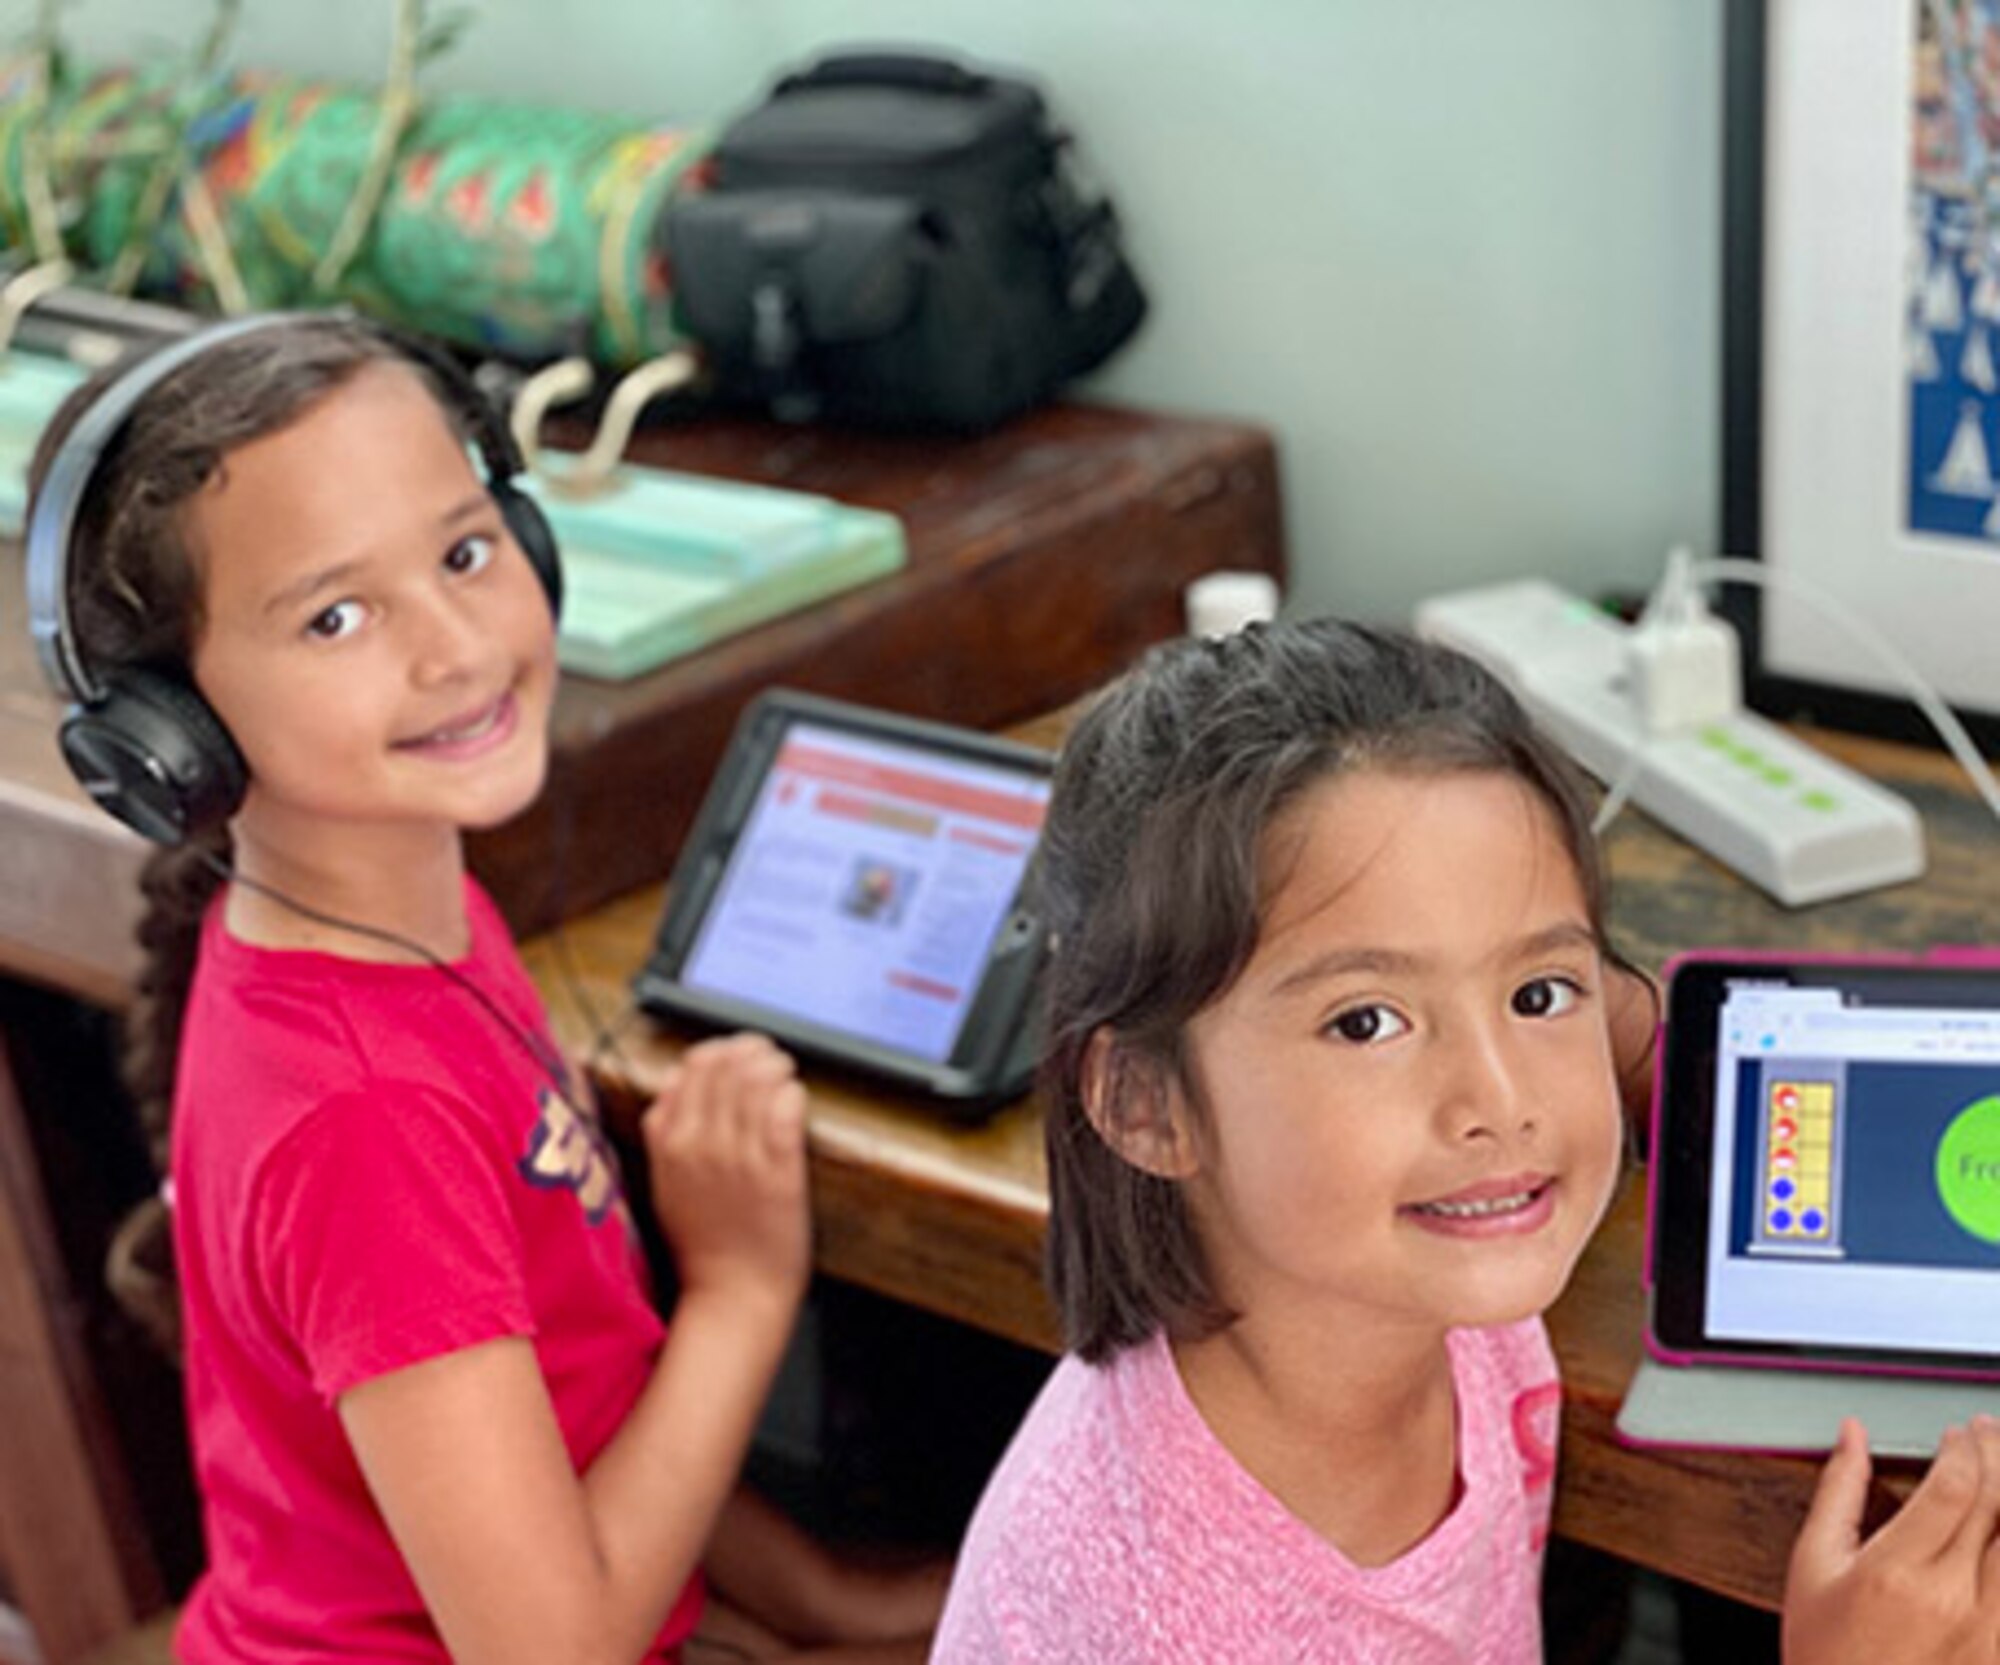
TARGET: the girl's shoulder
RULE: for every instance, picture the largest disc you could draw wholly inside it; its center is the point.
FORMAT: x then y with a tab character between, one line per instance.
1095	1437
300	979
1045	1561
489	926
288	1029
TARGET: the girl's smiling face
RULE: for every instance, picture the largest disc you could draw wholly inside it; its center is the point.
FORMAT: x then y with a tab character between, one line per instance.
1409	1109
373	637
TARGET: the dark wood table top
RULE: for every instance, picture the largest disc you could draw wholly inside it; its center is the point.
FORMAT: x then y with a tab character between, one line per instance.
952	1220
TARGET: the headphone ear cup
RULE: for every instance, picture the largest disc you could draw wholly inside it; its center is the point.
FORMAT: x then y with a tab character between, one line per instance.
536	537
153	753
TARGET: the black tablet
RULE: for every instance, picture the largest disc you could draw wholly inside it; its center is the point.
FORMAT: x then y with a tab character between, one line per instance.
1826	1164
853	887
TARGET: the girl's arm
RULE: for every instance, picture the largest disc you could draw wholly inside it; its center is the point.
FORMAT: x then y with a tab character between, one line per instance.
766	1565
517	1557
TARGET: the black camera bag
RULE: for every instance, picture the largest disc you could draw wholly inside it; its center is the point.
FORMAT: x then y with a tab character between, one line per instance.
895	239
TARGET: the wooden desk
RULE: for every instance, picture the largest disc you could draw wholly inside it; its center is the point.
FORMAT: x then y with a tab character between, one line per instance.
953	1221
1042	557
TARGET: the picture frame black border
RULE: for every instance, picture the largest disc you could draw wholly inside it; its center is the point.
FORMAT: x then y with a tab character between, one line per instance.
1746	63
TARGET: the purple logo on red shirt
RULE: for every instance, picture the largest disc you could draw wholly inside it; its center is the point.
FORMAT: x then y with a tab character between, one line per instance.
567	1151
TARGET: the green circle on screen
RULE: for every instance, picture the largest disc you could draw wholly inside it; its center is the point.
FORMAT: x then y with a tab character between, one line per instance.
1968	1169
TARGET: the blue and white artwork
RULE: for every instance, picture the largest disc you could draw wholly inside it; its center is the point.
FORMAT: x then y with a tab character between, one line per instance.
1952	272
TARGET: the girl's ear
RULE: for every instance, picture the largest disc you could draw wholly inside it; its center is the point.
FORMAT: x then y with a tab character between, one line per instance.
1136	1110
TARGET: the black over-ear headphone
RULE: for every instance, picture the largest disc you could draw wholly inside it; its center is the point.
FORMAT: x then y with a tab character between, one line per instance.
141	739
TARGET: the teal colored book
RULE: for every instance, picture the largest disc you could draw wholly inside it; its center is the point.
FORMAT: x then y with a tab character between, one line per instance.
662	564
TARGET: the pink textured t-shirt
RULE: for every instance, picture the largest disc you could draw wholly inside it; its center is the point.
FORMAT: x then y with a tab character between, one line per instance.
370	1169
1118	1530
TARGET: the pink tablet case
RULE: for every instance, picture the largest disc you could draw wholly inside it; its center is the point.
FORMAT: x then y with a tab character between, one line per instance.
1762	1404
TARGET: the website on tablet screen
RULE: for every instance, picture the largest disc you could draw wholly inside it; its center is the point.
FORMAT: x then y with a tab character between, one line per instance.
1856	1190
868	886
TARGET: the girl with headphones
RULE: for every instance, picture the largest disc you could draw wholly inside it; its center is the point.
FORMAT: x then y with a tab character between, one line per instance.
434	1412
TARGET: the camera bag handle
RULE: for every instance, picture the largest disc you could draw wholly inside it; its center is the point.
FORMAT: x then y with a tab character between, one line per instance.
912	70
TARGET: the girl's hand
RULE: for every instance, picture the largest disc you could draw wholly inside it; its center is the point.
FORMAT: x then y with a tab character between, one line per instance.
1925	1590
725	1143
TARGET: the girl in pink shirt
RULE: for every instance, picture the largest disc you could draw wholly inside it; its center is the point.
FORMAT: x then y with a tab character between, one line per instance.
1332	1112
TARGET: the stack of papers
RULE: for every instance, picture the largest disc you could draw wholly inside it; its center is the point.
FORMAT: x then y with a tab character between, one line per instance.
661	564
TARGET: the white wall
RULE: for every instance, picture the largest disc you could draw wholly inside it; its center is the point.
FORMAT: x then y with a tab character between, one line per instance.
1460	254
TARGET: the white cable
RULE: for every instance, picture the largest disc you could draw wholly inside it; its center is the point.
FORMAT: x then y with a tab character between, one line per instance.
1740	569
1620	792
1942	717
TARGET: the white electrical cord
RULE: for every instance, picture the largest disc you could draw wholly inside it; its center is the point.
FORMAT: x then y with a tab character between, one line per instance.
1620	793
1737	568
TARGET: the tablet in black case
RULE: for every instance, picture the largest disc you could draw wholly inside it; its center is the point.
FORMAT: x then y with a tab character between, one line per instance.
853	887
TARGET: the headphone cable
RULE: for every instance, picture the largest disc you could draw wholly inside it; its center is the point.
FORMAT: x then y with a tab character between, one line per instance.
545	1057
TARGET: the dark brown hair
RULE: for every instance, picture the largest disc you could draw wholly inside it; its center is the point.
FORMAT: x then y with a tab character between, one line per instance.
1150	879
136	595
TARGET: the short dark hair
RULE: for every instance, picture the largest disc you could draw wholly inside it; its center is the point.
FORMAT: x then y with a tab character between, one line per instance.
1149	877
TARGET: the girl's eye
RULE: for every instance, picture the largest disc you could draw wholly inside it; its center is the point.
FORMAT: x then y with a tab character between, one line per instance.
469	555
329	624
1546	997
1364	1025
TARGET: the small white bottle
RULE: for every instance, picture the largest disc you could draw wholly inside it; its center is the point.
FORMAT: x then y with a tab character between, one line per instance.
1221	603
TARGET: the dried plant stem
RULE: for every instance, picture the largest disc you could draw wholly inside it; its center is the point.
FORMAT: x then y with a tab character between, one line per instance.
211	242
44	222
399	105
167	168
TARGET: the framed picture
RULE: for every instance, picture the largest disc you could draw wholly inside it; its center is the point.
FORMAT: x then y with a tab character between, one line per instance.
1861	352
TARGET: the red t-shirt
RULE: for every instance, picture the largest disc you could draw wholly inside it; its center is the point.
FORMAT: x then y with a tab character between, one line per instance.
371	1170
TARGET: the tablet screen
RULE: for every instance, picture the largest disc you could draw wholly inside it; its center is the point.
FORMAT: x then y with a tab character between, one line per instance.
866	888
1837	1129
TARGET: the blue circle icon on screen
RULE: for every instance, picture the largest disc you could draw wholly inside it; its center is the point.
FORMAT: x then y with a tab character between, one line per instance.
1781	1219
1813	1220
1782	1189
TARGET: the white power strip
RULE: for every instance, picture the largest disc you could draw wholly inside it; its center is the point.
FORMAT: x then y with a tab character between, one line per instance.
1788	818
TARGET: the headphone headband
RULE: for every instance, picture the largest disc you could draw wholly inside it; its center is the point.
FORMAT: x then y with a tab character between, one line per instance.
60	499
